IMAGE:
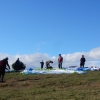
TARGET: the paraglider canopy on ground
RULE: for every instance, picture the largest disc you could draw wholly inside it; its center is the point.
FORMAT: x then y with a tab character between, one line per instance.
18	67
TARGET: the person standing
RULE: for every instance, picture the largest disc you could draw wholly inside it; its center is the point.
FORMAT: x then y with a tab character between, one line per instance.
42	64
17	64
60	61
3	67
82	61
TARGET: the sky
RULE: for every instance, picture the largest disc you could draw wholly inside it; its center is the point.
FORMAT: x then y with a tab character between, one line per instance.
36	30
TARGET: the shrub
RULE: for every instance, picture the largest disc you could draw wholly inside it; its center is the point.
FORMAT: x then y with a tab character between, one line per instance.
19	67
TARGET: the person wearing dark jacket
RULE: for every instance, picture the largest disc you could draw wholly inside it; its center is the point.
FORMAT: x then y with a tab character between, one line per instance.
3	67
82	61
17	64
42	64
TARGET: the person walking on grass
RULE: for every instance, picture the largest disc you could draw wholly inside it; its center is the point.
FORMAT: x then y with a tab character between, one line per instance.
3	65
60	61
82	61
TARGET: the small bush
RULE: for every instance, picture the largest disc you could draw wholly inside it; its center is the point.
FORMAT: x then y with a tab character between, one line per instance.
19	67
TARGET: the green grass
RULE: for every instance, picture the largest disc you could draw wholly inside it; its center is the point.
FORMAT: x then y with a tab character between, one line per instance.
51	87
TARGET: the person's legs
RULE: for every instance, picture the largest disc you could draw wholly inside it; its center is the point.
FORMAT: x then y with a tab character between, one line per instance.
80	65
41	66
59	65
2	76
83	65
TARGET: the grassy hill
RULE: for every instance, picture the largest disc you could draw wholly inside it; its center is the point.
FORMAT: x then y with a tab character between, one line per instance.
51	87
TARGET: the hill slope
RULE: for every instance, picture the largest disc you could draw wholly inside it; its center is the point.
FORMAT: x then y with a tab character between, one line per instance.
51	87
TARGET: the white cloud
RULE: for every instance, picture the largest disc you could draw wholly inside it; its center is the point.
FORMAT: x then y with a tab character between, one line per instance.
33	60
39	45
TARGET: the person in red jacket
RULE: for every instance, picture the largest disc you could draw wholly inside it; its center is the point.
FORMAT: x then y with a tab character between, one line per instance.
3	67
60	61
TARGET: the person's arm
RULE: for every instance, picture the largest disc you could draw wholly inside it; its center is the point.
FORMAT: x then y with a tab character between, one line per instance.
8	64
58	59
84	59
